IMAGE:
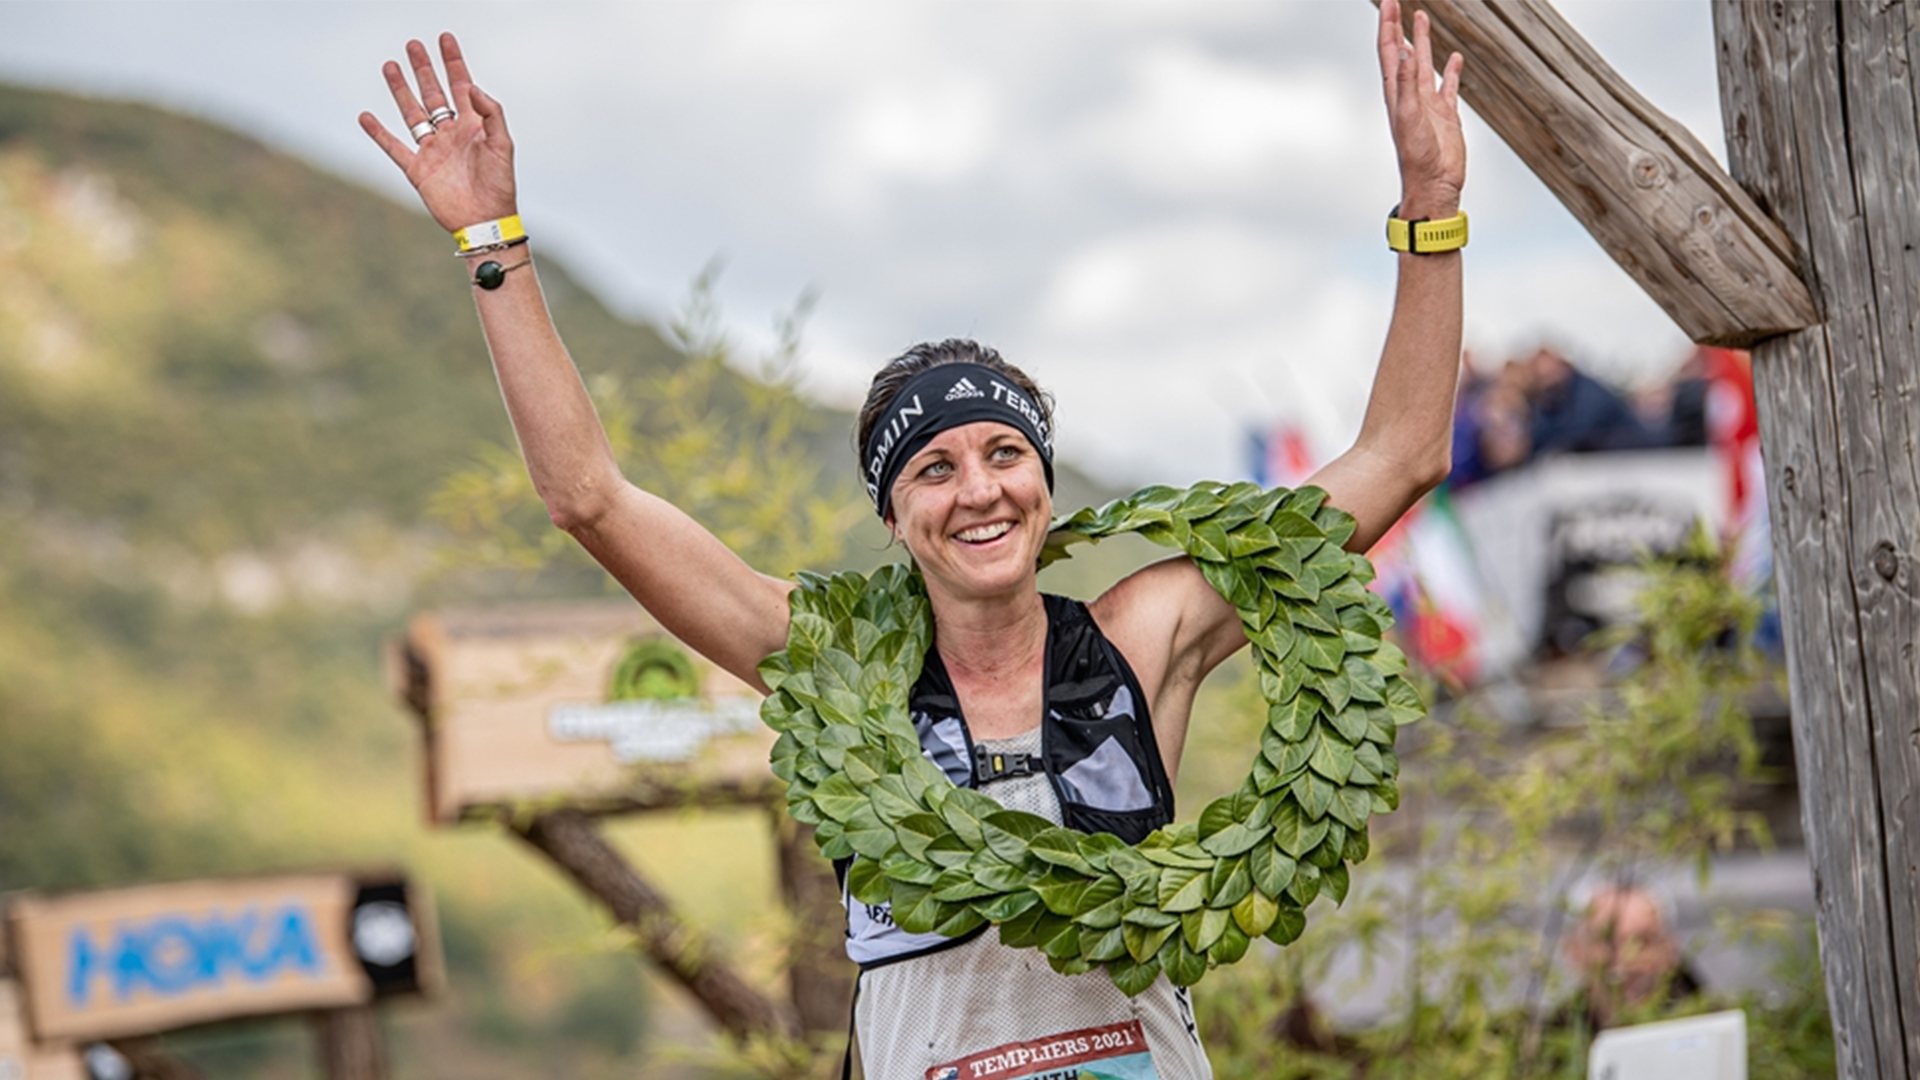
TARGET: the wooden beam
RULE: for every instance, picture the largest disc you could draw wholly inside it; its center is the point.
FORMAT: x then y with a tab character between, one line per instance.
570	839
1822	126
1646	189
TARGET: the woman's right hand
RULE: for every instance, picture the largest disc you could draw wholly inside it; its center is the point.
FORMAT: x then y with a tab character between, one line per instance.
463	169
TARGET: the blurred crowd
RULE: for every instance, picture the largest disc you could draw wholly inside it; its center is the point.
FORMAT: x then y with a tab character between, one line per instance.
1544	404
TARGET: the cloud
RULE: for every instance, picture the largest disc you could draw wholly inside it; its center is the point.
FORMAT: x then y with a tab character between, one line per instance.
1196	124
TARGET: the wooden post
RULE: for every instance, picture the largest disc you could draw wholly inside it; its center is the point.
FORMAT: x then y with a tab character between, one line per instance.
1818	101
819	975
1642	184
352	1046
569	838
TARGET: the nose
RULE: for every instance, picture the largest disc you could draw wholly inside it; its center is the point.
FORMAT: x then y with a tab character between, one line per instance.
978	485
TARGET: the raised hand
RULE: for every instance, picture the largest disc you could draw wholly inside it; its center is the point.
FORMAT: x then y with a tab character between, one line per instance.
462	167
1425	117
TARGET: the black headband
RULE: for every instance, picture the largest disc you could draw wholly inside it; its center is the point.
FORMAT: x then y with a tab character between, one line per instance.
935	400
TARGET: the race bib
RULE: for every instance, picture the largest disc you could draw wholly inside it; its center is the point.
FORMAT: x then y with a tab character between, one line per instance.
1113	1052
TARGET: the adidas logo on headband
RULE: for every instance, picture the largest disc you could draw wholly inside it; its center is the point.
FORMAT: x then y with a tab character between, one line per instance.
964	389
973	393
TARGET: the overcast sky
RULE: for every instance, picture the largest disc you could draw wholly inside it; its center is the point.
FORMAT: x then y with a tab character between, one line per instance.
1170	213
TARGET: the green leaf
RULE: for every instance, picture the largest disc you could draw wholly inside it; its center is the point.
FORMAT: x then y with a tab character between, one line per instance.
1251	539
1314	793
1103	943
1337	523
1008	833
1183	966
959	920
1101	892
1403	702
998	876
956	884
1228	881
1142	941
865	766
1182	889
1024	929
1333	881
1231	947
1357	847
1367	682
1209	542
1108	913
1235	839
1202	928
870	836
1255	912
1061	890
1061	847
1351	722
1293	719
914	909
867	883
890	799
899	867
1306	884
1217	816
916	831
964	810
1352	807
1167	856
1322	652
1287	925
837	798
1333	758
1288	525
1132	979
1001	908
1150	917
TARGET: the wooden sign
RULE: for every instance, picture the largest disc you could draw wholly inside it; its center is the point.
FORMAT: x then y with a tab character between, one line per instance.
20	1057
154	958
587	703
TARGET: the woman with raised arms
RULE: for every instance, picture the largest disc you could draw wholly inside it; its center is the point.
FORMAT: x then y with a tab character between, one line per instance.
1076	712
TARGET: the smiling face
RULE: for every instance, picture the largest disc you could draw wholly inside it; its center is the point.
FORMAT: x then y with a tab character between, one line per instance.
973	508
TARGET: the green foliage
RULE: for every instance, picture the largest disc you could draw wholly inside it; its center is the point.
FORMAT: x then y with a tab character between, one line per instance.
1498	834
731	452
1193	894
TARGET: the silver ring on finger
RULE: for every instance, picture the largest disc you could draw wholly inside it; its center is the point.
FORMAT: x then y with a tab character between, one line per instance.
420	131
441	115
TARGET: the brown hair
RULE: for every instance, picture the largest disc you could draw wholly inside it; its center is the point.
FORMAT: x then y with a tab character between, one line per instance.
896	372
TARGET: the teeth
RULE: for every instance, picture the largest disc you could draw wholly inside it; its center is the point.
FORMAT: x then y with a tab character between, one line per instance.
980	533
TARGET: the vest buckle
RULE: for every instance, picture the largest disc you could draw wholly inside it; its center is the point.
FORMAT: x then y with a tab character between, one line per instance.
989	766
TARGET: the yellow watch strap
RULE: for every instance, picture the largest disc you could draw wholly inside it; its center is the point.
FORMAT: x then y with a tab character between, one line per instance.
501	231
1427	237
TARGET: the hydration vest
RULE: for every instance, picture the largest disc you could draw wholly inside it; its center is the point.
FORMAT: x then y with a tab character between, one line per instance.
1097	750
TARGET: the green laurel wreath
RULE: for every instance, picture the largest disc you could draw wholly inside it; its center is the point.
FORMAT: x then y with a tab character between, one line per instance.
1191	895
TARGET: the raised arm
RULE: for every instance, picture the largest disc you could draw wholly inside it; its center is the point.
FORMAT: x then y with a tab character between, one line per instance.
699	589
1404	446
1172	626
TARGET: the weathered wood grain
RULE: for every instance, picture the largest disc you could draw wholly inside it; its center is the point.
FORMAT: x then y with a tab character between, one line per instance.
1646	189
351	1044
570	839
1823	128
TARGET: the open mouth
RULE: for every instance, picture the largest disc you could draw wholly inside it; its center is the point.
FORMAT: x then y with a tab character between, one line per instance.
984	534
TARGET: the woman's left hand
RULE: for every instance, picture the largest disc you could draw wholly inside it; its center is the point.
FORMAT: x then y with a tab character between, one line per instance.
1425	117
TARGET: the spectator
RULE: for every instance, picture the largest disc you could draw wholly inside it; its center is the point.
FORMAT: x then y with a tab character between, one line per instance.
1627	955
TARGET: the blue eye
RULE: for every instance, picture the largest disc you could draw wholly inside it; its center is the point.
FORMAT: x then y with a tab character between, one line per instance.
938	468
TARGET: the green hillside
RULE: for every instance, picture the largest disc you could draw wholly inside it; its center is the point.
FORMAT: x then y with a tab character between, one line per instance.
229	385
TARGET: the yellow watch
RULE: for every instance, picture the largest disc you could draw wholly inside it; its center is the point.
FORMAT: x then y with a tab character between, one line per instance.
1423	237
